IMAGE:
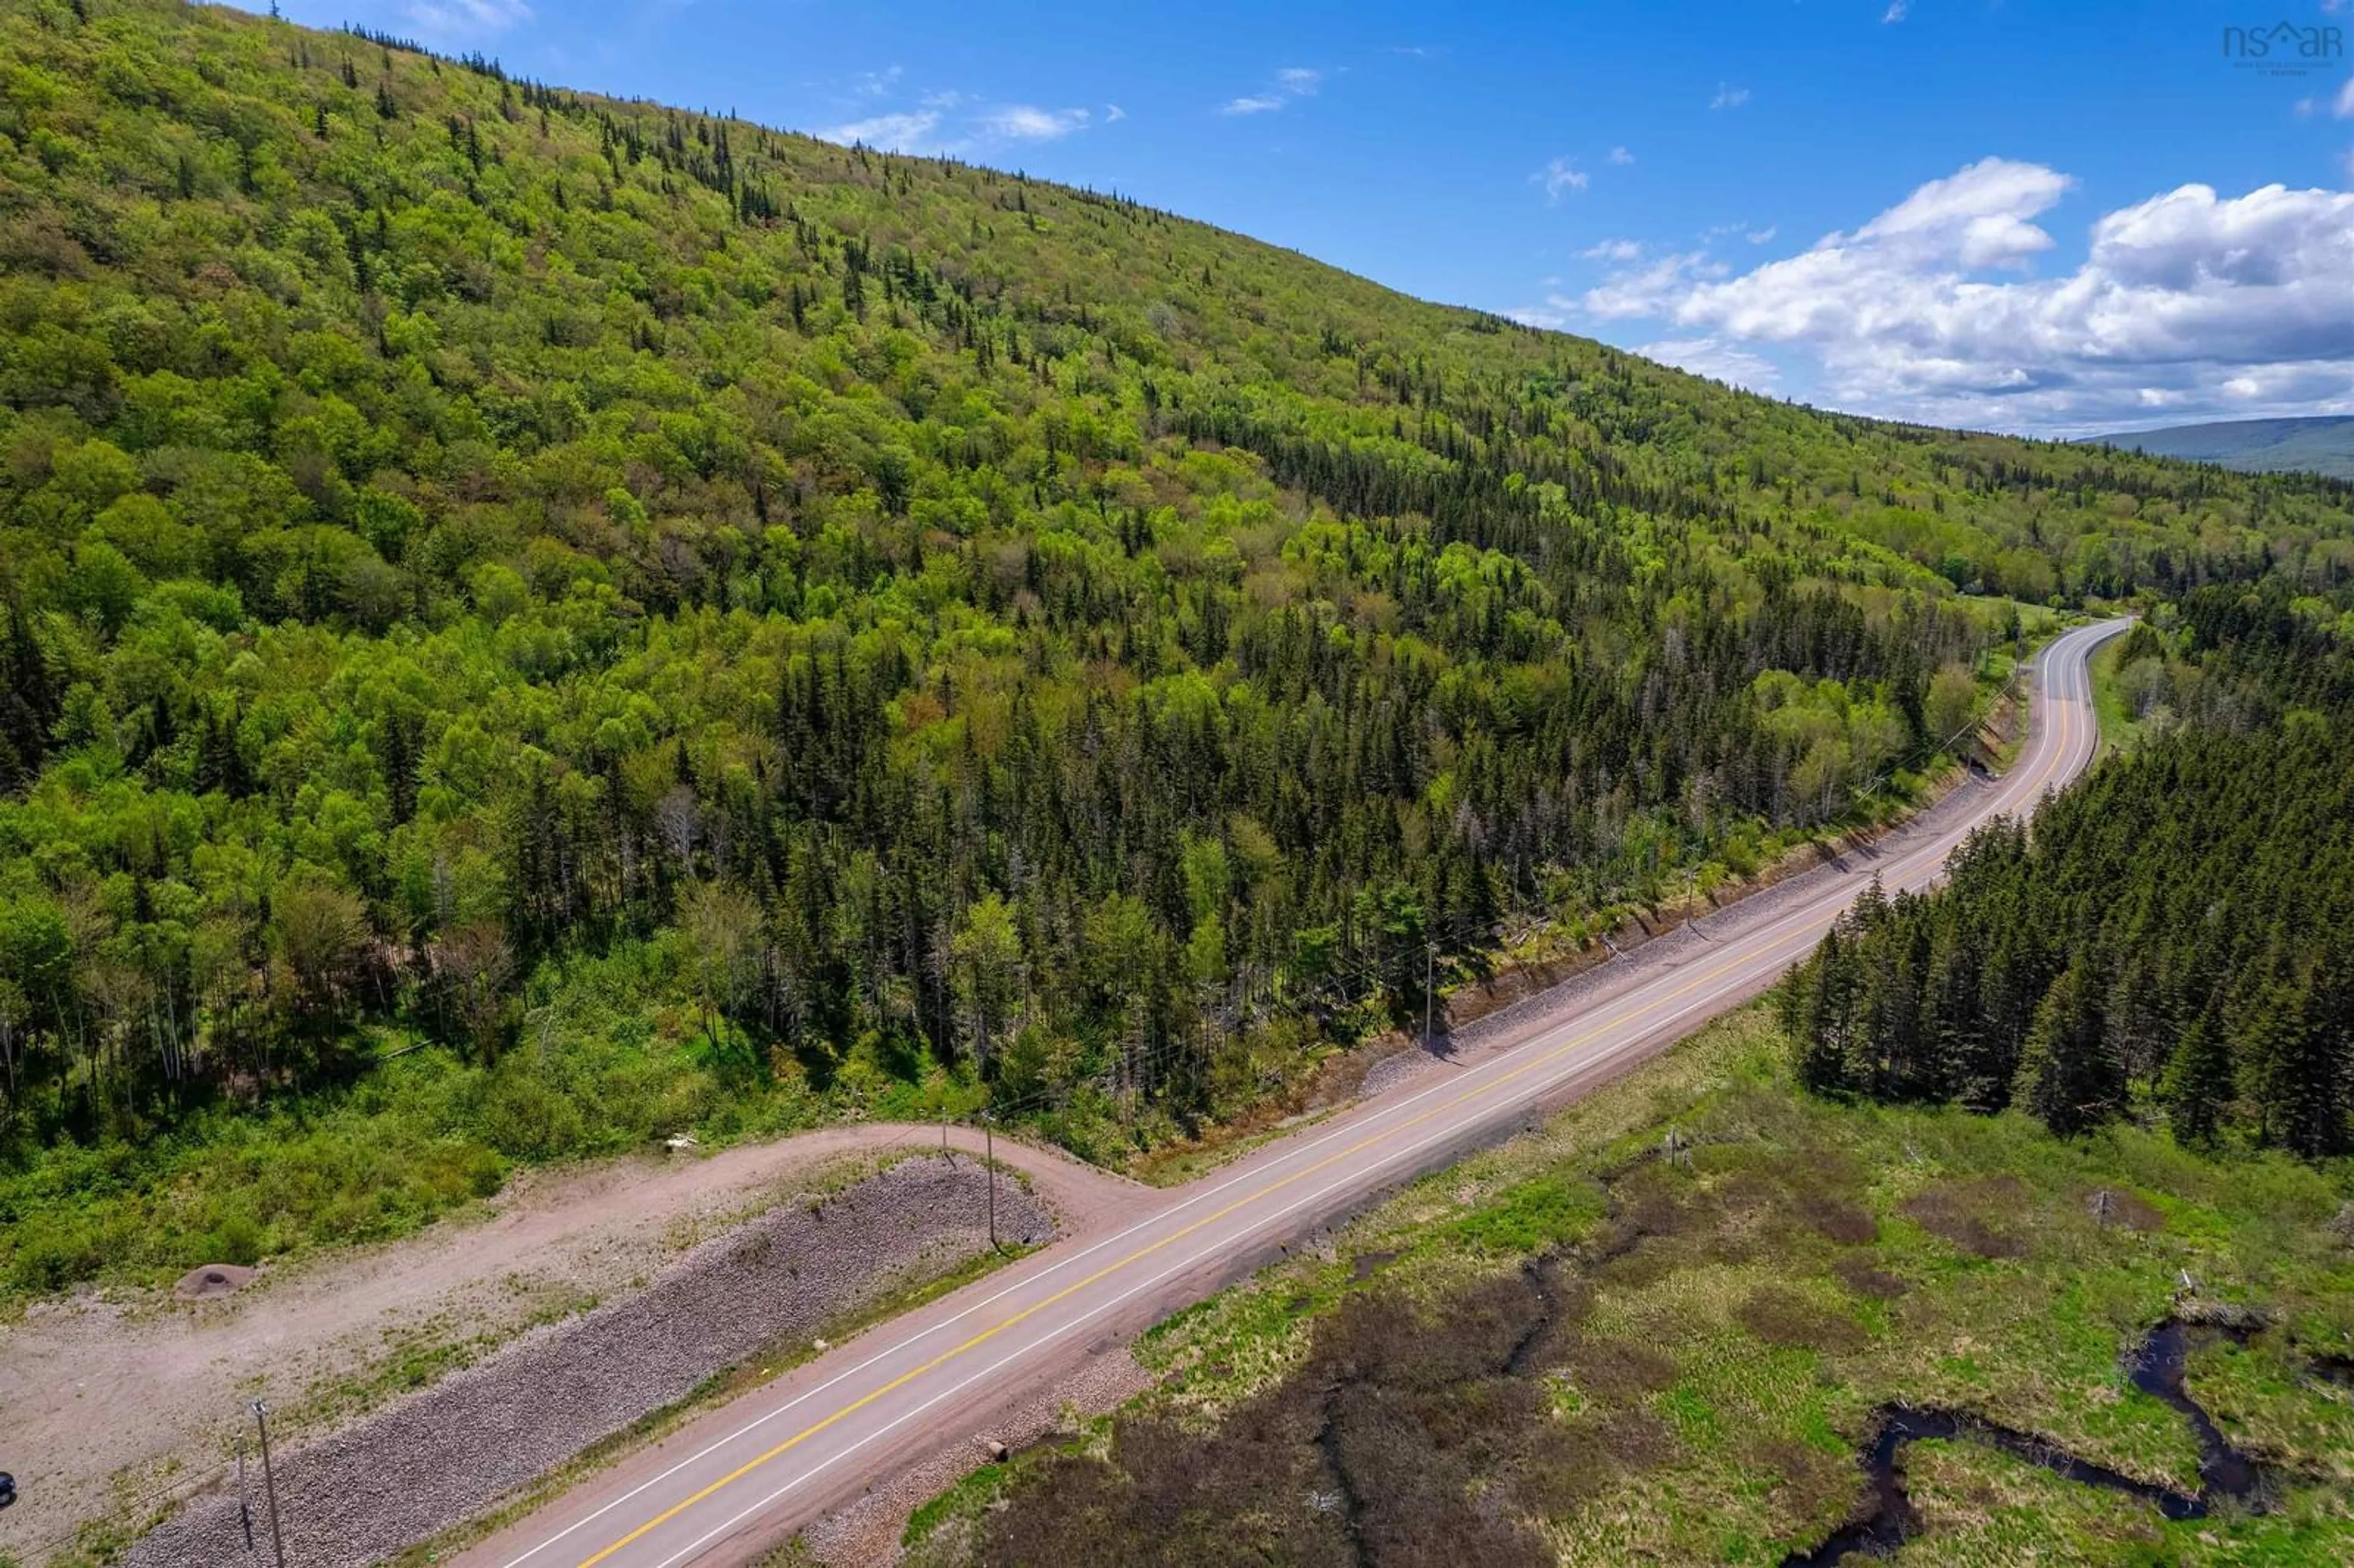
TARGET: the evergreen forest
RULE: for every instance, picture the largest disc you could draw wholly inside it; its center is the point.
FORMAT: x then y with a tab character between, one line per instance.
2175	936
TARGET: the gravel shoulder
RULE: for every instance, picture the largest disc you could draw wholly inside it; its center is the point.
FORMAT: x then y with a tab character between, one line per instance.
118	1403
1642	953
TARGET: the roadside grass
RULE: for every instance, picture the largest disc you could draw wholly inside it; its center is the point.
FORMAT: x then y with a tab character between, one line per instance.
1720	1331
420	1354
941	1531
973	1491
1220	1143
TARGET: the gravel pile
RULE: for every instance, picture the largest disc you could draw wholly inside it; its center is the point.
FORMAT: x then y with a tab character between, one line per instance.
212	1281
448	1453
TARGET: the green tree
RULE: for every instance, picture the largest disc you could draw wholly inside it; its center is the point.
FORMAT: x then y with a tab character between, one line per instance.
2069	1077
2197	1087
986	953
1952	703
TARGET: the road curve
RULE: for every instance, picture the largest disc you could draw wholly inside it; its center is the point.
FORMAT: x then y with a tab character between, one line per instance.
740	1476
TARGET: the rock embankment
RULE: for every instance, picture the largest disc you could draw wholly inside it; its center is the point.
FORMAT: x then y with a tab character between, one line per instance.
453	1450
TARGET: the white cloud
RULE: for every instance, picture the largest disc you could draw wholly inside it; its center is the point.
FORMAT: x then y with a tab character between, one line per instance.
1021	123
2343	105
1650	291
1291	83
890	133
1558	176
1621	251
1760	236
1729	97
465	18
1897	11
2188	300
1554	315
1716	359
957	125
1979	214
1620	156
875	83
1114	114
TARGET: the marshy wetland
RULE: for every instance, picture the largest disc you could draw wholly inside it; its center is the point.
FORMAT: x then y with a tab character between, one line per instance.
1793	1330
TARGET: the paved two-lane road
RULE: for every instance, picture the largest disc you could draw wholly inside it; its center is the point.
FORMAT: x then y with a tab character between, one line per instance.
740	1476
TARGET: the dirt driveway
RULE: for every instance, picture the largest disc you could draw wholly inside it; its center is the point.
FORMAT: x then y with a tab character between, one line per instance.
116	1401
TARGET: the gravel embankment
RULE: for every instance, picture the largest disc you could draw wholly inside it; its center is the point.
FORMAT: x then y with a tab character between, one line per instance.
1642	955
453	1450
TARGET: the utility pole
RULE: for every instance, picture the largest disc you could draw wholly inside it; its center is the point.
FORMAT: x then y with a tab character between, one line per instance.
989	1144
1429	983
269	1483
244	1497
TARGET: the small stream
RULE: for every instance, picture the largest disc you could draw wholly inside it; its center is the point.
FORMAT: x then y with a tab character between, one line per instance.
2155	1366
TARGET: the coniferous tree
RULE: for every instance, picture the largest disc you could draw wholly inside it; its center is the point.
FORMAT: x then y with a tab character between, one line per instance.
2196	1089
29	703
1825	1001
2069	1074
2294	1064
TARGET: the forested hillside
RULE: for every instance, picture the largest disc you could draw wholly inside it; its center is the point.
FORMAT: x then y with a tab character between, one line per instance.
2322	444
529	622
2177	935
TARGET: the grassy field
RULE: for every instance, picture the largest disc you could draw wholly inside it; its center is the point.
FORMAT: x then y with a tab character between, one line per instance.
1581	1347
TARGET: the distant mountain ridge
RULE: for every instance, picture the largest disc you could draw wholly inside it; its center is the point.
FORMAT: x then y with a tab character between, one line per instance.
2323	444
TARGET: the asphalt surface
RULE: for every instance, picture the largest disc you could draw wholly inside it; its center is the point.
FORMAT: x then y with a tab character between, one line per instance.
737	1480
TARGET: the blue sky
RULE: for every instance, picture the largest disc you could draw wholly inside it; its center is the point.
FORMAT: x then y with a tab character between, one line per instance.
2051	218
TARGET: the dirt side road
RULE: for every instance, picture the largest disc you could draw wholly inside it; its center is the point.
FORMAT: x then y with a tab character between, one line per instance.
116	1402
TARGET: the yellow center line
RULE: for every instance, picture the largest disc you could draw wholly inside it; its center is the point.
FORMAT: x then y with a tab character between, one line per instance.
1803	934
